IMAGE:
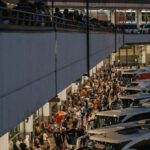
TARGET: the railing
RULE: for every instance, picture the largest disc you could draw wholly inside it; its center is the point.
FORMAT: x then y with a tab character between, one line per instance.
108	1
23	18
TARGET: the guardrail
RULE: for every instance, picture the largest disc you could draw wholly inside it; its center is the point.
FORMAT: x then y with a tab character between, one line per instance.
23	18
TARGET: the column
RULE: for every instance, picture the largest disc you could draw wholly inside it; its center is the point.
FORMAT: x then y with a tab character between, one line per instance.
22	127
139	18
82	80
29	124
94	70
46	111
41	113
134	58
4	142
143	49
75	87
148	54
62	95
113	59
109	15
91	72
112	16
100	64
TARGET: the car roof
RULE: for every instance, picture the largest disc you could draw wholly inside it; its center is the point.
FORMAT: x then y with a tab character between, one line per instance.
119	126
117	138
123	112
141	81
146	104
112	128
136	96
135	88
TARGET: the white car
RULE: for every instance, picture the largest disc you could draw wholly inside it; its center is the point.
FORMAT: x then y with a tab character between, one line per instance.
134	90
126	139
133	73
140	83
134	100
110	117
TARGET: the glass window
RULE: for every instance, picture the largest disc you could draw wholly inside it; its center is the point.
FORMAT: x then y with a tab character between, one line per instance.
142	145
108	120
139	117
126	102
130	16
145	17
130	92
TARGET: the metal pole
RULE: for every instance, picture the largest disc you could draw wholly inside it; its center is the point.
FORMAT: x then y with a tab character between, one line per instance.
52	5
134	55
87	37
119	57
115	32
126	56
55	52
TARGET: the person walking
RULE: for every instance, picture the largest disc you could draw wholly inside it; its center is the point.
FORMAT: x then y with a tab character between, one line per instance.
80	118
58	139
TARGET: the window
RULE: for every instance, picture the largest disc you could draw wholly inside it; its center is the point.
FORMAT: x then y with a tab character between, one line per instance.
147	26
145	16
130	91
126	102
130	16
139	117
142	145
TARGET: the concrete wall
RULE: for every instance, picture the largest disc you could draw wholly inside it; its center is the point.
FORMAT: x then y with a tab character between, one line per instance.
26	75
27	68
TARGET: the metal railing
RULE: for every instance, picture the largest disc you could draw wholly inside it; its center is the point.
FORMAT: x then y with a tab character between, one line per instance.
108	1
23	18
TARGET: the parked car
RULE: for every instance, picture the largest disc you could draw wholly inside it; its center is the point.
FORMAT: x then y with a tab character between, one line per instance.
140	83
146	28
82	141
118	127
135	90
142	76
139	74
134	100
137	138
111	117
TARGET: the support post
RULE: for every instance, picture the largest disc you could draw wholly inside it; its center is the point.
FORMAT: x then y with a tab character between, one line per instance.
115	32
134	55
87	37
126	56
119	57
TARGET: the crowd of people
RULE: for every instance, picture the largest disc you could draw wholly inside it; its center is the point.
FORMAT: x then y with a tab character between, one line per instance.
43	15
96	94
61	131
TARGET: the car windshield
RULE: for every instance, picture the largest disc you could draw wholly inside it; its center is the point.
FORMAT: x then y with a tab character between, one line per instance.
133	84
94	145
102	121
130	92
129	75
117	105
126	102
